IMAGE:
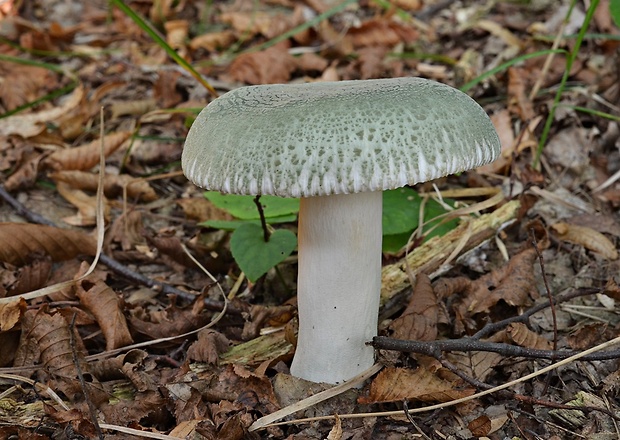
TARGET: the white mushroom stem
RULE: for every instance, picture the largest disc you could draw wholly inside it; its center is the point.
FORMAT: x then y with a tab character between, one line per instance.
338	285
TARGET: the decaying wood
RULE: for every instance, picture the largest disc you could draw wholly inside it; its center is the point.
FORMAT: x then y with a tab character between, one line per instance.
430	256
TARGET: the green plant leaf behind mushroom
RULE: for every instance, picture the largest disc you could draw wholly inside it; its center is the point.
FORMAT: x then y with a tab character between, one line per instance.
254	255
401	209
244	208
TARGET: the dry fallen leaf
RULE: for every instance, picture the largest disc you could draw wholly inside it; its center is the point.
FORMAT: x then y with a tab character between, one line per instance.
31	124
419	320
107	308
11	313
208	347
20	241
586	237
397	384
86	156
518	333
257	67
113	185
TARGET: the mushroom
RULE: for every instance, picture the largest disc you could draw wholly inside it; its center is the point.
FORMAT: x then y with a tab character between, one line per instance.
337	145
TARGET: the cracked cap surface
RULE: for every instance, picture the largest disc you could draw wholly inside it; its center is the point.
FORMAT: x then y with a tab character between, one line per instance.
322	138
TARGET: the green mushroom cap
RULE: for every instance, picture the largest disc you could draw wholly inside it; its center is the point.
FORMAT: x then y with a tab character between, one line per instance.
323	138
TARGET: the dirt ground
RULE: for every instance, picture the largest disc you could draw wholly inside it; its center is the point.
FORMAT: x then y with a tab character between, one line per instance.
147	344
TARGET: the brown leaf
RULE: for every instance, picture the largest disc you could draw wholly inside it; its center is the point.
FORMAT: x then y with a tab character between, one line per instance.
513	283
113	185
26	173
519	102
213	41
201	210
52	336
86	205
419	320
259	22
86	156
20	241
136	107
23	83
480	426
16	281
169	322
476	364
397	384
271	66
586	237
381	32
11	313
165	89
31	124
208	346
107	308
518	333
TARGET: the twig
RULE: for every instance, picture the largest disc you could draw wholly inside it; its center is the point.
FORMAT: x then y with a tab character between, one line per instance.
435	348
496	326
112	264
263	222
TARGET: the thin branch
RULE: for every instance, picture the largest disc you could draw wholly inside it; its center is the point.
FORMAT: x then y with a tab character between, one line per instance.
435	348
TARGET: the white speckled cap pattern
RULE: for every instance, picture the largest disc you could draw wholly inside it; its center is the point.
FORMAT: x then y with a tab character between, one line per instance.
325	138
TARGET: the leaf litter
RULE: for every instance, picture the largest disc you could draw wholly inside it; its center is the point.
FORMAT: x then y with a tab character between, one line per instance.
218	383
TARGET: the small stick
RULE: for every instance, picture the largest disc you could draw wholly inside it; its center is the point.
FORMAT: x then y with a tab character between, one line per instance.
263	222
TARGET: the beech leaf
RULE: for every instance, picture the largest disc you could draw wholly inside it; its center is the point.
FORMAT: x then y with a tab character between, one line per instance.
19	241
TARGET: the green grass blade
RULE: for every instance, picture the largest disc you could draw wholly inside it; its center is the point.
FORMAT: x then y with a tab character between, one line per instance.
161	42
50	96
593	112
467	86
572	55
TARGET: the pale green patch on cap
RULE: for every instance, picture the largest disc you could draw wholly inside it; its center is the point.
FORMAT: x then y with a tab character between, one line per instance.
322	138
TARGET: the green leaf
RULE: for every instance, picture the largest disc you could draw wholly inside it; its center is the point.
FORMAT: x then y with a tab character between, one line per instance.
401	217
231	225
243	207
393	243
400	211
254	255
614	11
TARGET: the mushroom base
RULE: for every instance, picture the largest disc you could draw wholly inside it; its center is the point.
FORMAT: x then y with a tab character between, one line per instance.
338	286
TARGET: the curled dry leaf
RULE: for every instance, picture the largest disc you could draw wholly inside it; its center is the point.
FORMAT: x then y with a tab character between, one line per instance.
419	320
86	156
86	205
107	308
137	188
586	237
33	276
397	384
208	347
20	241
518	333
11	313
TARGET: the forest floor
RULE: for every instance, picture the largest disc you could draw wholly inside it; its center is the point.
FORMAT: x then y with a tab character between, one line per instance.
146	344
